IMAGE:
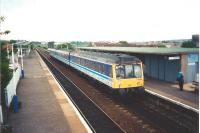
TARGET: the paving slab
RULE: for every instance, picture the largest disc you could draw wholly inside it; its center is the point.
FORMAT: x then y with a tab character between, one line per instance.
188	96
44	107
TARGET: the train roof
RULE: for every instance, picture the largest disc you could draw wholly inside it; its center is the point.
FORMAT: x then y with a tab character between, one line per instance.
109	58
102	57
59	51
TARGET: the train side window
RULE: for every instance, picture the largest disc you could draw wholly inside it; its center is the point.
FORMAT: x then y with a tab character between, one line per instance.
93	65
111	73
89	64
98	67
81	61
95	68
104	70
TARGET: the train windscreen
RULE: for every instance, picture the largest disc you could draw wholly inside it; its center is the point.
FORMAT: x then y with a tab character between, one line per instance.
129	71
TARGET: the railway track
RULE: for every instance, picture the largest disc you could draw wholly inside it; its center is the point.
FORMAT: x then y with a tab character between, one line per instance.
169	116
137	112
97	120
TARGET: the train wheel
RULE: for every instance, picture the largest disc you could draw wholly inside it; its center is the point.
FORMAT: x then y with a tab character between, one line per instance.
140	90
123	92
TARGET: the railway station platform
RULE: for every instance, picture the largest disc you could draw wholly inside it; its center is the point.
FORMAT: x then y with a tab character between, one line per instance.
170	91
44	107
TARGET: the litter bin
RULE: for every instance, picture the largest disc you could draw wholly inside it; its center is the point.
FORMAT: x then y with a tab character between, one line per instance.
15	104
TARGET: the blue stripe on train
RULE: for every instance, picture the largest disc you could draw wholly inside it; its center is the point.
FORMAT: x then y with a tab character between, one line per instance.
92	71
87	69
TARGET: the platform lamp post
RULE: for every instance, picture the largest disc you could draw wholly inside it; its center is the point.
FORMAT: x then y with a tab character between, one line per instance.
8	52
13	62
13	58
22	63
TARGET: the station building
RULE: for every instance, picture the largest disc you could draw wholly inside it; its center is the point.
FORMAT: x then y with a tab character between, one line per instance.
161	63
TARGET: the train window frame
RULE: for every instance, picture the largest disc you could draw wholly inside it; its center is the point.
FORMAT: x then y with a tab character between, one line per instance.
121	75
127	75
111	73
139	66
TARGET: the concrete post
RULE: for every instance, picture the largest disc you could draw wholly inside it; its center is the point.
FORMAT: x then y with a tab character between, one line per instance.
22	64
184	63
8	52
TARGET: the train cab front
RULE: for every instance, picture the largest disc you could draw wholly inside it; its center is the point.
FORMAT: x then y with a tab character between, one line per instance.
128	76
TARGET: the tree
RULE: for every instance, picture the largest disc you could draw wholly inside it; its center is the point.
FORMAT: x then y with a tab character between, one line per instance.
2	18
6	32
6	73
13	41
65	46
123	42
5	76
162	46
188	44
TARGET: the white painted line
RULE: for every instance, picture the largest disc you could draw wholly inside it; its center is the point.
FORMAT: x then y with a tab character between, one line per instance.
68	99
173	101
1	115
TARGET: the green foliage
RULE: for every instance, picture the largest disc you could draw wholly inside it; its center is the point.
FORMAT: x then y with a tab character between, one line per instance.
188	44
162	46
65	46
2	18
44	47
32	46
6	73
13	41
123	42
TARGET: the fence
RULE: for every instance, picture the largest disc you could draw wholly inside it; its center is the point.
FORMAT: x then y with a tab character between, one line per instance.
12	86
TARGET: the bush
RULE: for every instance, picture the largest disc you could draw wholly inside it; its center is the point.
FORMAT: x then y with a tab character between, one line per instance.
6	73
162	46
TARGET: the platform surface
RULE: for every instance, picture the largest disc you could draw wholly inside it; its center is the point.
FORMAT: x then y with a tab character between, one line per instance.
44	108
188	96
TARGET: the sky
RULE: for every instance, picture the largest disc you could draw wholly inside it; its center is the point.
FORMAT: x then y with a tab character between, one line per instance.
100	20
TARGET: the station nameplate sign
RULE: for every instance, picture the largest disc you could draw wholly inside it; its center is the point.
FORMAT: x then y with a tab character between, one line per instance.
174	58
191	64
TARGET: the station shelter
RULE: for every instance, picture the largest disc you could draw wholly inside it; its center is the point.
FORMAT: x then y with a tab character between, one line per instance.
161	63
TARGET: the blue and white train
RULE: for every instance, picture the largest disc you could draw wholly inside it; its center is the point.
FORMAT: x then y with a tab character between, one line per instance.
117	71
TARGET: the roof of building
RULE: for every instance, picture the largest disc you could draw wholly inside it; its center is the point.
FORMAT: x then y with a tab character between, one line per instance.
144	50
